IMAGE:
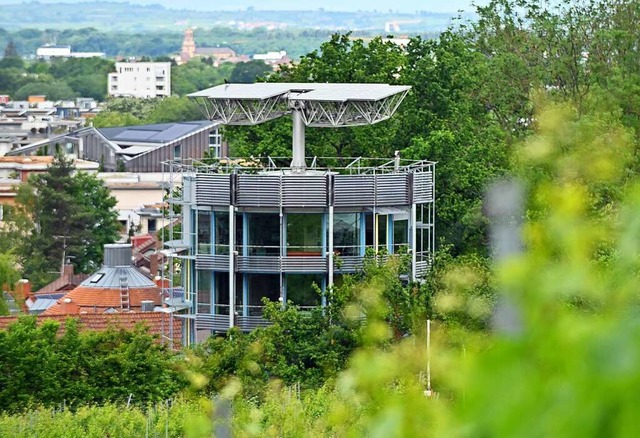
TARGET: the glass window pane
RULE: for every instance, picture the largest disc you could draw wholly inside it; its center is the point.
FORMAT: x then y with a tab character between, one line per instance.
400	234
264	234
368	219
382	231
222	233
222	293
239	228
204	292
303	289
204	232
304	234
262	285
346	234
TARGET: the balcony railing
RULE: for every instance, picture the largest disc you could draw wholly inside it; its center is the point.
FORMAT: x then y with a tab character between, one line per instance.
258	183
219	321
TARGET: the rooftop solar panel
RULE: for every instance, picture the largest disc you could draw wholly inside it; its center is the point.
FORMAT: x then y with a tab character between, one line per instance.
172	132
135	135
303	91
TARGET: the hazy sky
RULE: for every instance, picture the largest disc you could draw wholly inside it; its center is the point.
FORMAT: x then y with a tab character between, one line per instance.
330	5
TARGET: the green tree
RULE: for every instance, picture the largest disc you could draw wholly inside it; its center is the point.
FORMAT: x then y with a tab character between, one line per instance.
197	75
12	62
55	90
10	51
44	367
68	213
100	207
248	72
106	119
8	277
174	109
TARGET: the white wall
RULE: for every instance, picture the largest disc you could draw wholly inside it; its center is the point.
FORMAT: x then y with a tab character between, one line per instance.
140	79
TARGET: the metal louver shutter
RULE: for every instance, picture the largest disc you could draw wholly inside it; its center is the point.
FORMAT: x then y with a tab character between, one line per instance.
212	189
304	191
258	191
354	190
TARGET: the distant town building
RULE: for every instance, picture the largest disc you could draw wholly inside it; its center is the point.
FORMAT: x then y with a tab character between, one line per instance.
140	79
52	50
273	58
16	170
49	51
36	98
219	54
140	148
188	50
87	55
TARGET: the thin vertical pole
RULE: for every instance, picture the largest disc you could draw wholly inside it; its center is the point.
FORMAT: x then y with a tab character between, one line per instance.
428	357
330	267
414	243
232	282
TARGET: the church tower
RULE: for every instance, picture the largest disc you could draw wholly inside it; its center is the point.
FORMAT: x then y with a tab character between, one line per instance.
188	46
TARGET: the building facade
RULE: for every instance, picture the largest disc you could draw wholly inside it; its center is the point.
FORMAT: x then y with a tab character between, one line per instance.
259	228
140	79
140	148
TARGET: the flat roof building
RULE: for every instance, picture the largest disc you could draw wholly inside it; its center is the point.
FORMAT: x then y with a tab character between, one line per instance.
282	229
140	79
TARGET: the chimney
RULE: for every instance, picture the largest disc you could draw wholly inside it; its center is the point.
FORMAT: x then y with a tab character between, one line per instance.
118	254
23	289
67	270
22	293
162	283
153	265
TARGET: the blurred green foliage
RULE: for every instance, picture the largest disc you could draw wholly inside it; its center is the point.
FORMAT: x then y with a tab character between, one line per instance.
506	95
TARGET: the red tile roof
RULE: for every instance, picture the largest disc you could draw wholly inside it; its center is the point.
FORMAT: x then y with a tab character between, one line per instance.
97	300
158	323
67	282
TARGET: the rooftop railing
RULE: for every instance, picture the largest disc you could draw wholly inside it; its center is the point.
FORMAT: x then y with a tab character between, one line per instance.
268	164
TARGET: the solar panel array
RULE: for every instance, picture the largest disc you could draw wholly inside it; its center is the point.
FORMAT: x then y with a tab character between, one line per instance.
302	91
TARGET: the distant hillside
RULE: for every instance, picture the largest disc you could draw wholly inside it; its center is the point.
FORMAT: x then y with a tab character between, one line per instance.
125	16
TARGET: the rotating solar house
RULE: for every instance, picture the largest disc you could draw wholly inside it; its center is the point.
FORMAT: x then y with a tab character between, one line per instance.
254	229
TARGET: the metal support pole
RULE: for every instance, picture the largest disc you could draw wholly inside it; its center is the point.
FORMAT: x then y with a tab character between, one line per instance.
330	267
232	275
429	358
414	243
298	163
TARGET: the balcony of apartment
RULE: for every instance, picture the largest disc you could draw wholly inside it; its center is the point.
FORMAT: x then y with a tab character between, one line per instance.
285	213
268	182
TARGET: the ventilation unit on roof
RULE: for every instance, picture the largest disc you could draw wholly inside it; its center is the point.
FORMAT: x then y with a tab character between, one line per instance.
147	305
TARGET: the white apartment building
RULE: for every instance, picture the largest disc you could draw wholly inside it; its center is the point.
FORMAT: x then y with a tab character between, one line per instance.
140	79
52	50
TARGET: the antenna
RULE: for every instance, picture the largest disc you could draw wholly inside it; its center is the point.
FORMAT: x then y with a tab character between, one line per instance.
64	251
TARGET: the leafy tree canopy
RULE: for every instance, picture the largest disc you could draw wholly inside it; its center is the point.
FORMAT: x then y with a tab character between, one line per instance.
63	212
248	72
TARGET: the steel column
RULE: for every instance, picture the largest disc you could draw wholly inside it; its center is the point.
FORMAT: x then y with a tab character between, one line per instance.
298	162
414	243
330	237
232	250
